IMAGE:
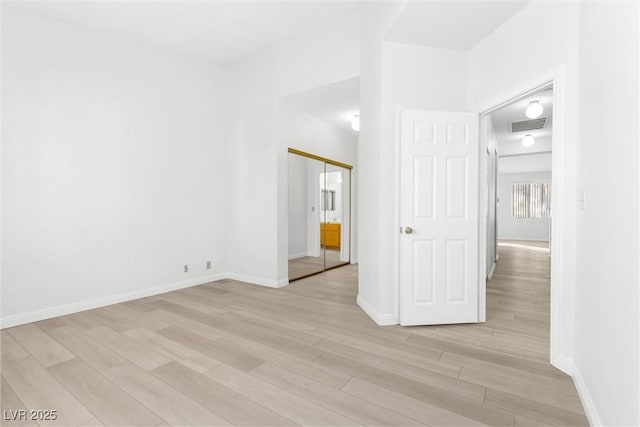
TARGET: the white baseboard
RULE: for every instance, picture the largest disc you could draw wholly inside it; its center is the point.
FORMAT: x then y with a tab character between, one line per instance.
586	399
255	280
380	319
525	239
298	255
493	268
563	363
568	366
61	310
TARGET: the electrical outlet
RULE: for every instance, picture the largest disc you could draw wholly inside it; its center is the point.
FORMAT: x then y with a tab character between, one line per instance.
208	265
186	268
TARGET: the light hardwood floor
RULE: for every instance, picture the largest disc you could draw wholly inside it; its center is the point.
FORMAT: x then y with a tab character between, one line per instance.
306	265
229	353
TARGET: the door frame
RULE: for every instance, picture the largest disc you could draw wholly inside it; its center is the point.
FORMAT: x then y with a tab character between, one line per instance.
555	77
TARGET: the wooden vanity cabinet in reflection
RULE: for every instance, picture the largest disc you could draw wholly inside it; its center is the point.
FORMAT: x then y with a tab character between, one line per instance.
330	234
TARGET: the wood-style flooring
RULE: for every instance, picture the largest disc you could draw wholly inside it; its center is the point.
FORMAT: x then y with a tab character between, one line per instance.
229	353
306	265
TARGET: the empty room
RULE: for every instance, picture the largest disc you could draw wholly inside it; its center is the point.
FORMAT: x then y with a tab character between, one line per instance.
322	213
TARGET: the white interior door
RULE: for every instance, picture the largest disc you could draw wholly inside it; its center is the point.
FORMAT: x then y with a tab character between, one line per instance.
439	217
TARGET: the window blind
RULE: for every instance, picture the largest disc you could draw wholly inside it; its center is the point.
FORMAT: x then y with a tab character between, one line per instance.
531	199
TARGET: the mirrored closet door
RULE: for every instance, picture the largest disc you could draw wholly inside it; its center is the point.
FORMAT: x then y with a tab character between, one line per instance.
319	214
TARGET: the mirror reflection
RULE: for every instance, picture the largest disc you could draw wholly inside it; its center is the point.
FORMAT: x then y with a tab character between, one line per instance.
319	215
334	228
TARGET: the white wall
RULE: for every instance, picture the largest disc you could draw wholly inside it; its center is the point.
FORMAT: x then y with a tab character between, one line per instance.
261	129
510	228
297	206
122	163
411	77
507	147
112	167
1	159
307	133
501	65
300	130
607	280
376	19
596	44
524	163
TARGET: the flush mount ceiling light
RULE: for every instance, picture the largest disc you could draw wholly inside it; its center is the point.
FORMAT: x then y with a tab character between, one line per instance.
355	123
534	110
528	140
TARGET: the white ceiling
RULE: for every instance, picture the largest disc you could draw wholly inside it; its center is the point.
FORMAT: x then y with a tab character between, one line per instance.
335	104
224	31
514	157
218	31
451	24
511	143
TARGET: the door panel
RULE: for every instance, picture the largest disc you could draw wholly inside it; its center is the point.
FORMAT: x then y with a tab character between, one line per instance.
439	204
305	251
424	280
423	184
457	187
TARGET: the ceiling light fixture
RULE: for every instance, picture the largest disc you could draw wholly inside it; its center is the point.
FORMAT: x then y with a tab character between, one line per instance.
355	123
528	140
534	110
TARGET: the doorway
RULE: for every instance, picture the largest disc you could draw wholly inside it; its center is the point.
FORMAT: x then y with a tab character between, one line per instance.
423	134
522	151
518	169
319	214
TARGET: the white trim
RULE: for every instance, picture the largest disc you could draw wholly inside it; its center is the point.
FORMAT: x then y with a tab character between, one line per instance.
61	310
380	319
522	239
557	233
589	406
565	364
555	77
255	280
298	255
490	275
525	89
483	195
585	397
398	223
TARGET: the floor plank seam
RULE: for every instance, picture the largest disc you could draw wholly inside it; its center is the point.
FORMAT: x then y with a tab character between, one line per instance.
312	333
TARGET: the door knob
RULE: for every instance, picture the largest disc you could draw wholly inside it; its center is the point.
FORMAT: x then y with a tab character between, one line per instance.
408	230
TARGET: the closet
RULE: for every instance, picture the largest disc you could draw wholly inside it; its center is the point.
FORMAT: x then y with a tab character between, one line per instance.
319	214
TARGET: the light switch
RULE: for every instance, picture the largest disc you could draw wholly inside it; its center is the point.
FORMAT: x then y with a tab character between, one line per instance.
581	199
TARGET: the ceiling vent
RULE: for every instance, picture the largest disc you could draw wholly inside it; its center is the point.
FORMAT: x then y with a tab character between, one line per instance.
526	125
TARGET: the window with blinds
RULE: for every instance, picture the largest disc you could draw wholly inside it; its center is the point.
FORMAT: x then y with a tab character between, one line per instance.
531	200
